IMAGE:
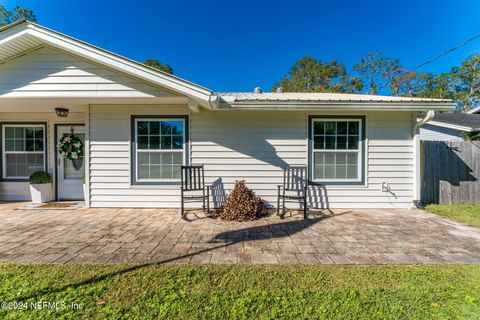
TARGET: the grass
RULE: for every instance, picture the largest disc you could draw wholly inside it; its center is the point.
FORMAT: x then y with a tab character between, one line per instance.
465	213
243	292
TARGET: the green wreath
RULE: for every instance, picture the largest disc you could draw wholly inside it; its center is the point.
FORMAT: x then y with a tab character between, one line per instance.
70	147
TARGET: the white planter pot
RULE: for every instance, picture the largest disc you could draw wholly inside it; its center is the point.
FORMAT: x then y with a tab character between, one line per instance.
41	193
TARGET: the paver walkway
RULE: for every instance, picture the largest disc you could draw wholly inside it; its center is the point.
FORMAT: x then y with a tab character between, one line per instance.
159	235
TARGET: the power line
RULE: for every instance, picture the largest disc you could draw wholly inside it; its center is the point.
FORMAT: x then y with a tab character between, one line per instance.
446	52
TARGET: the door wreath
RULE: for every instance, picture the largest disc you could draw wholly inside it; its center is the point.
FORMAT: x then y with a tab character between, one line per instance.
71	148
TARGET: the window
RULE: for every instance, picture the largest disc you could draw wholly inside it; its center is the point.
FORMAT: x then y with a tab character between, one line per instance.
23	150
159	149
336	150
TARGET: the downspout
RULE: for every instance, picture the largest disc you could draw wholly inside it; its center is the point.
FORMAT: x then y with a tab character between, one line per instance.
417	185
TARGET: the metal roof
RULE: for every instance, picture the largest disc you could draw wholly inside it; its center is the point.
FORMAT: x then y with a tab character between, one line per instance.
317	97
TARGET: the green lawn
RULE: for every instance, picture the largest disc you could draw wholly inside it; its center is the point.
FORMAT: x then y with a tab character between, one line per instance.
466	213
243	292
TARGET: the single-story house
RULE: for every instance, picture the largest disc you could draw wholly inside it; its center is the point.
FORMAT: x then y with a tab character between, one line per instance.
139	125
450	126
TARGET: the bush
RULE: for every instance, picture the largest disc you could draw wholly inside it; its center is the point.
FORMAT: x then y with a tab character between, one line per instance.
243	204
40	177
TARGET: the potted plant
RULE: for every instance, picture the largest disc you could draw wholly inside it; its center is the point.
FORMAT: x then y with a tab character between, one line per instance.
40	187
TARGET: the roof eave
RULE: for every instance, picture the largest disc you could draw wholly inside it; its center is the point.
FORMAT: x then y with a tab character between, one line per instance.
341	105
452	126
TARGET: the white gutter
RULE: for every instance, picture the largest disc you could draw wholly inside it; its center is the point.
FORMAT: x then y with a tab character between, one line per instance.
417	156
428	117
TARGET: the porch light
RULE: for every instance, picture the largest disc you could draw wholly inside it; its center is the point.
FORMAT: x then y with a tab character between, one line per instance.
61	112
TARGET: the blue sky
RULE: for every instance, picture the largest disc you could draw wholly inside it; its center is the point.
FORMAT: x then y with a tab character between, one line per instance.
238	45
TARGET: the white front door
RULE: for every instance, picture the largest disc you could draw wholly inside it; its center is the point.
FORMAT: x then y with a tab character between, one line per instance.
70	175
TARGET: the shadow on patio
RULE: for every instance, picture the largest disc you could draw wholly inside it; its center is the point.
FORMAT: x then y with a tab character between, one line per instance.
223	239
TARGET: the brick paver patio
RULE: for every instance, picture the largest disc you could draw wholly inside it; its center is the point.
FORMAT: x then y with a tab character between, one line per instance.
159	235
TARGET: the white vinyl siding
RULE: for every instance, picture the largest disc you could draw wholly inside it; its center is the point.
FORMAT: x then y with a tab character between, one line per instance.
249	145
49	72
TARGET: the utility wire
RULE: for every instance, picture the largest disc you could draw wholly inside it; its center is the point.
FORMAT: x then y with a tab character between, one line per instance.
447	52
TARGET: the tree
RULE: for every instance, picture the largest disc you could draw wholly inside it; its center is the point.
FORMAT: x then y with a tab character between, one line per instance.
154	63
377	71
465	82
311	75
7	16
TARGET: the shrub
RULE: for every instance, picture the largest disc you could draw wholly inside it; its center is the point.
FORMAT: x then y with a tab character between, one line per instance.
243	204
40	177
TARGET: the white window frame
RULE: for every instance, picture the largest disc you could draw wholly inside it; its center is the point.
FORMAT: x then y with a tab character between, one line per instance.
4	152
359	151
183	150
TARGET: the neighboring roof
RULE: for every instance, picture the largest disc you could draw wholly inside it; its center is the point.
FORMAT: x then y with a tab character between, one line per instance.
23	36
474	111
298	99
459	121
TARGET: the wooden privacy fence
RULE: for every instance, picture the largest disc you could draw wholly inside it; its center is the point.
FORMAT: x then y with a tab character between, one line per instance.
451	172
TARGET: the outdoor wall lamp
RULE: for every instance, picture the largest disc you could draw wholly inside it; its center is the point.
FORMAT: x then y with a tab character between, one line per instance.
61	112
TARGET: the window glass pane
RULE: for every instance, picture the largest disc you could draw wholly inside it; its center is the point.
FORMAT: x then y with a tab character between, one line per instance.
352	172
318	165
9	145
143	172
329	171
154	142
154	128
177	158
318	127
352	158
318	142
38	145
39	133
353	128
330	142
19	145
29	146
329	158
19	133
173	127
142	128
342	127
352	143
177	142
330	127
9	133
341	171
167	172
29	133
142	142
341	142
176	171
166	142
155	172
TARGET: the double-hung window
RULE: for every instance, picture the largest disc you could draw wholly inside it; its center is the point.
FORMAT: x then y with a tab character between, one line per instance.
336	150
160	148
23	150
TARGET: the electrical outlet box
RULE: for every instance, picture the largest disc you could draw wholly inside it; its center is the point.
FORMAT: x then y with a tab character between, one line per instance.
385	186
